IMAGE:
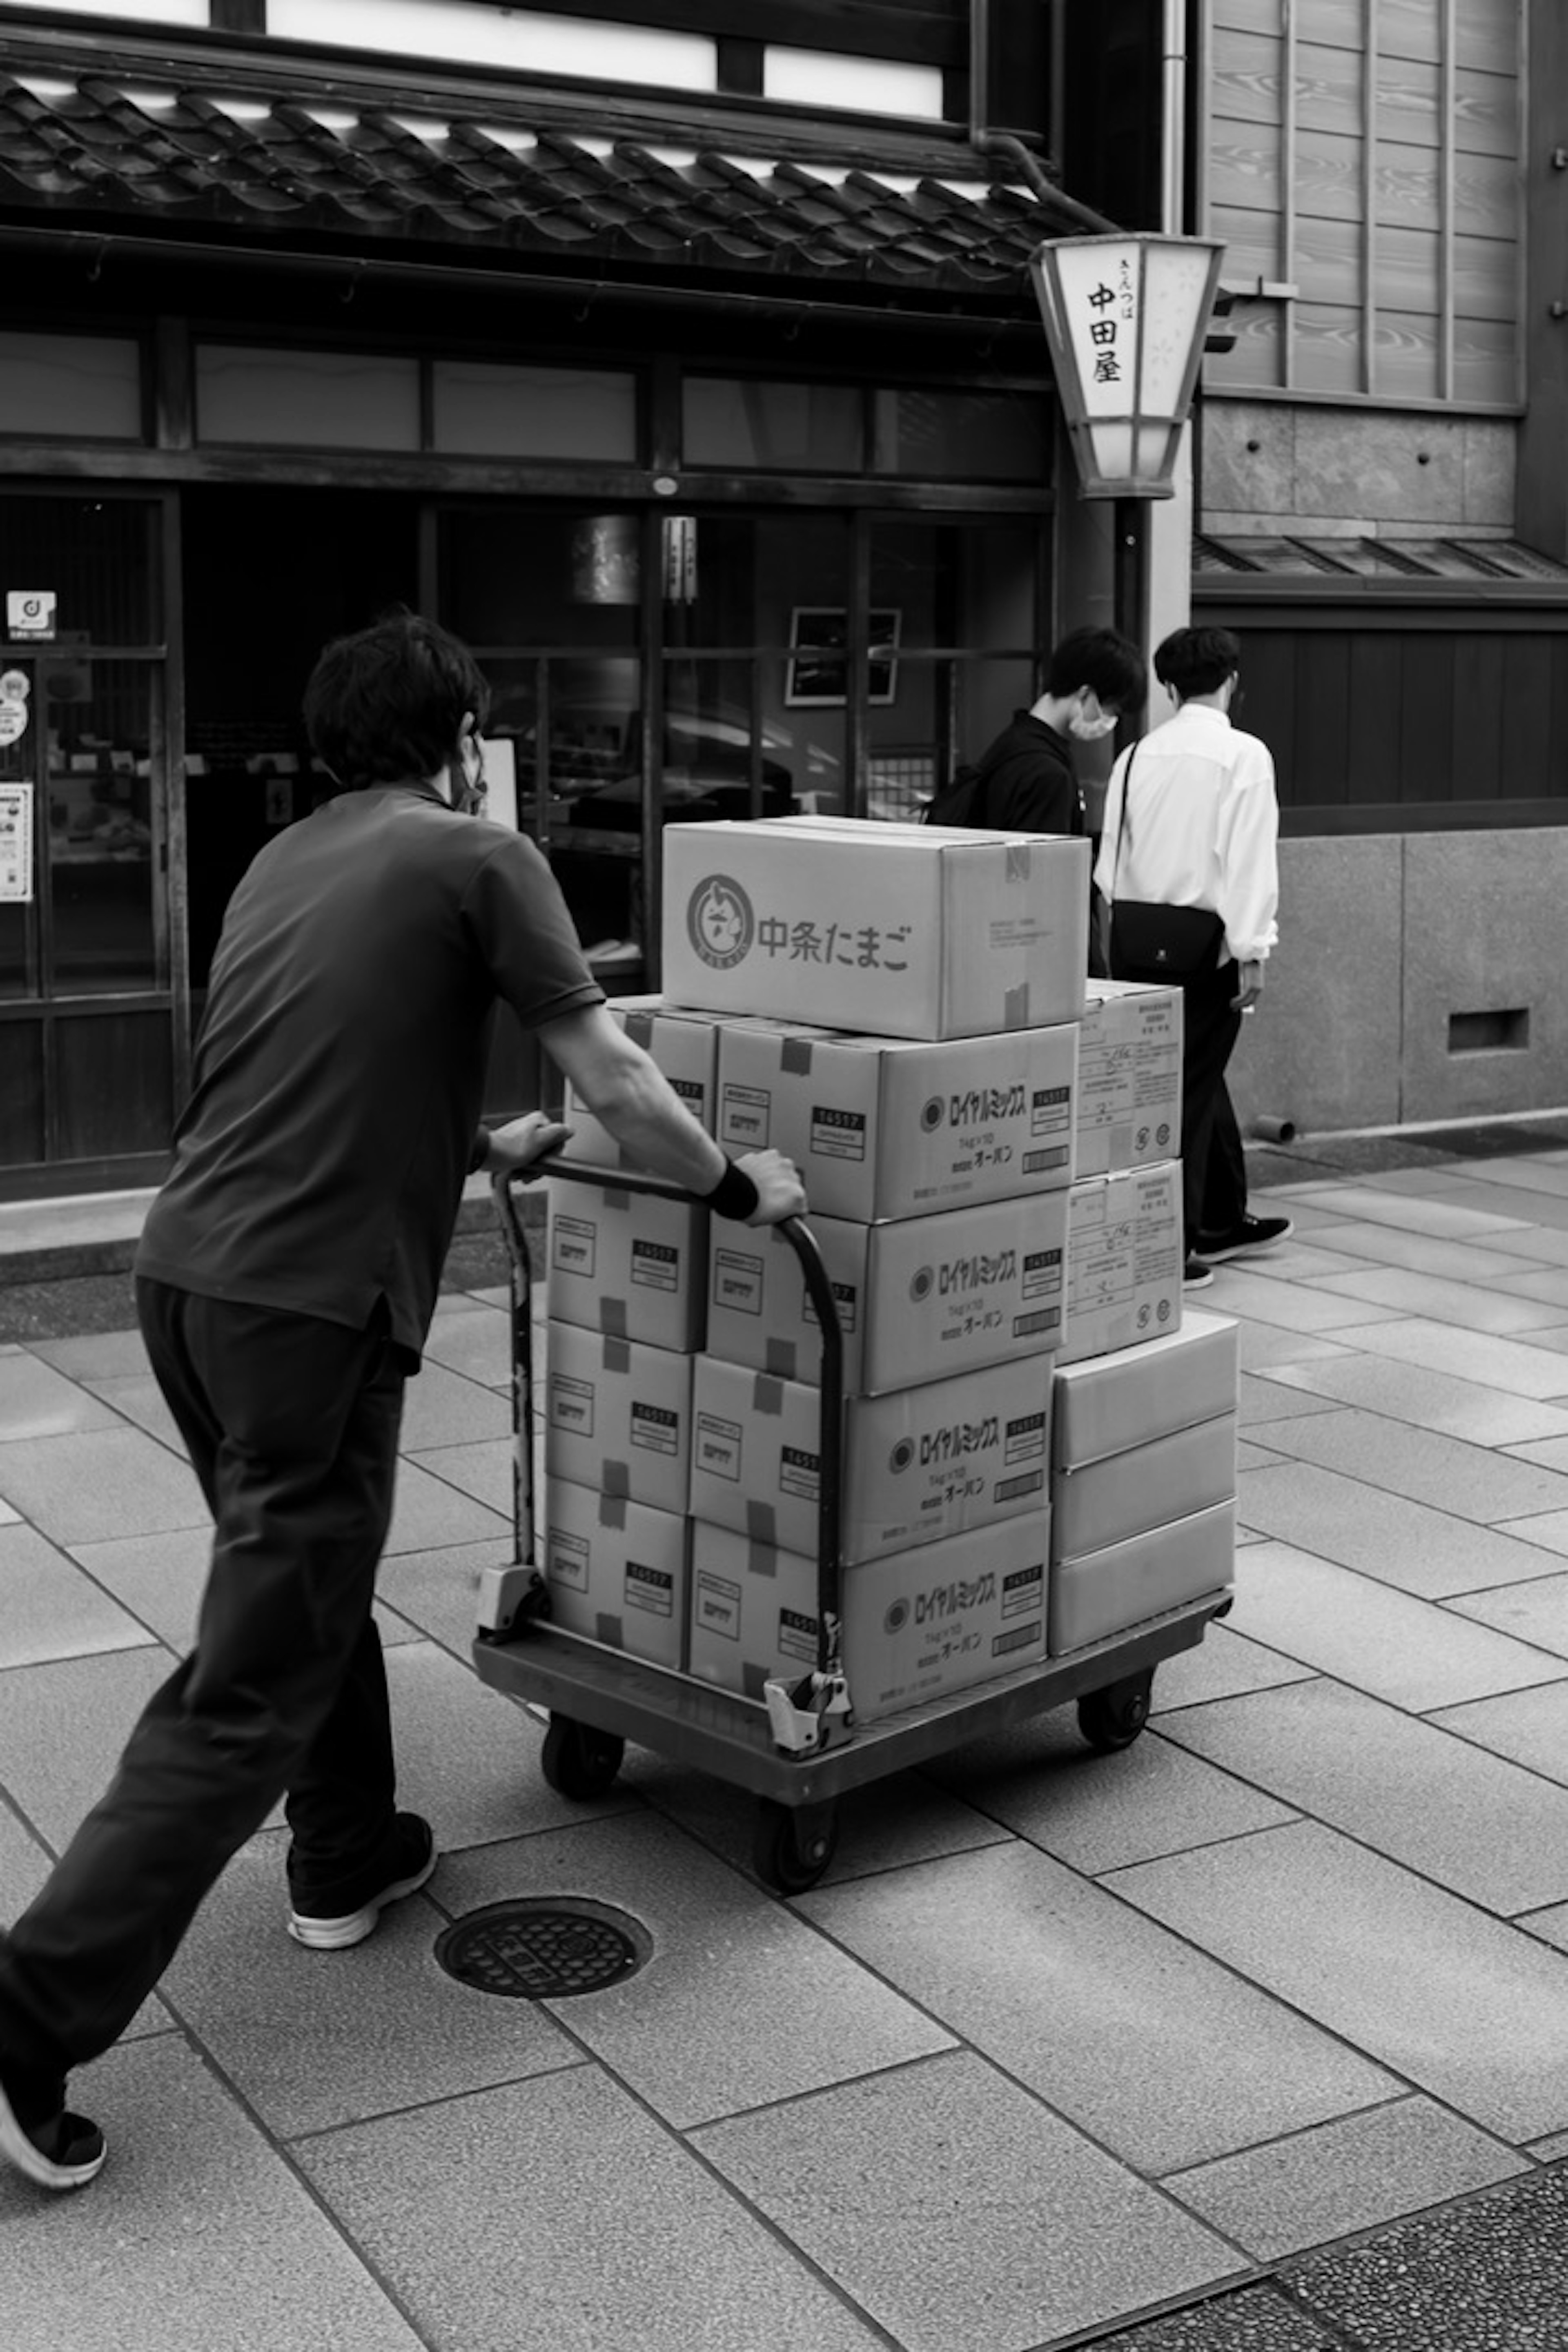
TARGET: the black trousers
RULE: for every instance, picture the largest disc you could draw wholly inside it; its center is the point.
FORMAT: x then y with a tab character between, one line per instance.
1214	1165
293	1427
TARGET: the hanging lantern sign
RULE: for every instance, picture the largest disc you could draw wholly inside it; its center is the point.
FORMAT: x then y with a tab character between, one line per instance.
1125	318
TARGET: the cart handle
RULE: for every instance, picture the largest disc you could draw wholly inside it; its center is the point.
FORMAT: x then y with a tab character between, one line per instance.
819	1289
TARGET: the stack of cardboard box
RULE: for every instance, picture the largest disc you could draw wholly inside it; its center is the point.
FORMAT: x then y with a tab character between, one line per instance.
902	1011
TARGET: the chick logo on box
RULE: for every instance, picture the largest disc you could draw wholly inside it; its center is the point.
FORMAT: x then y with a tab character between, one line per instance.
720	922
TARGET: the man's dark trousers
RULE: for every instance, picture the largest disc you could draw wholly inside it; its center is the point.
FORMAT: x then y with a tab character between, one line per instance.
1213	1166
293	1426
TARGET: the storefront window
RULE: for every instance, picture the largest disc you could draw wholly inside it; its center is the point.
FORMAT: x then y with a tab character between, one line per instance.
94	557
100	830
524	412
755	427
84	387
310	400
963	436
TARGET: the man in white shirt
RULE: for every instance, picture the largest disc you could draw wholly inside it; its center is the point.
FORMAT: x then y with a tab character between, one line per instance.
1202	825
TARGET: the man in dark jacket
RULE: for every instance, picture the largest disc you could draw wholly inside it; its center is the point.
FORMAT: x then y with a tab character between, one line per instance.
1094	678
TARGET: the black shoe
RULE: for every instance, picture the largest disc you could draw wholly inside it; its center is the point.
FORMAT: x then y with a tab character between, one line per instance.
43	2139
1252	1235
347	1913
1196	1274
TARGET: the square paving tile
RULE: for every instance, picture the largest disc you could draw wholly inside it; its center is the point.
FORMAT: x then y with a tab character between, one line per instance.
99	1483
741	2003
1465	1305
1223	1666
1260	1401
62	1727
1456	1408
160	1579
1506	1365
903	1819
429	1514
196	2234
475	1342
136	1397
312	2040
91	1355
1096	1811
558	2213
1534	1245
1448	1261
961	2214
1466	2007
443	1407
1435	1214
1128	2032
50	1609
1239	1291
483	1470
1469	1481
1551	1926
1343	2177
1547	1283
1373	1637
1476	1823
1262	1345
37	1400
467	1756
439	1591
1534	1613
1529	1726
1398	1541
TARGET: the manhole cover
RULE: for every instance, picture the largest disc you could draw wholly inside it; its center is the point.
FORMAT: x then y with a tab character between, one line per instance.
543	1948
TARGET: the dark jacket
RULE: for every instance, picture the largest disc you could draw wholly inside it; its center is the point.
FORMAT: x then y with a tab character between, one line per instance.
1029	783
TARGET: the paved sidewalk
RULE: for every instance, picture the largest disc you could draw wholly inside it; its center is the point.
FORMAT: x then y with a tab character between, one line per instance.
1251	2039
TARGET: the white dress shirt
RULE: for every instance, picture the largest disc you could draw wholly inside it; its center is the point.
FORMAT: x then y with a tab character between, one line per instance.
1204	830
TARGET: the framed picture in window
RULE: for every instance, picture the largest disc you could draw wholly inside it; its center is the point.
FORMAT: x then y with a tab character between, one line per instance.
817	673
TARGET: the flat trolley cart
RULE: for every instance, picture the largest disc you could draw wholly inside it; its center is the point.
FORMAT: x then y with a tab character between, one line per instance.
800	1751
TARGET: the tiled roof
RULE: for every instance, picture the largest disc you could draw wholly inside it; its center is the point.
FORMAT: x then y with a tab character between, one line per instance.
96	149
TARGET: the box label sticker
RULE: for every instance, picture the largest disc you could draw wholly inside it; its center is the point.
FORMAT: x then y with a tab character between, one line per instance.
656	1429
738	1281
798	1472
719	1605
571	1404
797	1636
567	1558
718	1446
575	1242
837	1134
744	1113
655	1265
651	1590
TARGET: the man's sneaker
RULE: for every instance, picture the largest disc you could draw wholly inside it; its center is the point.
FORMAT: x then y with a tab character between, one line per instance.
347	1913
1252	1235
43	2141
1196	1274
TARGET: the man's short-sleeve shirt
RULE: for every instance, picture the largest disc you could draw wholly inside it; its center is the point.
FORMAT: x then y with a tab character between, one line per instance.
319	1164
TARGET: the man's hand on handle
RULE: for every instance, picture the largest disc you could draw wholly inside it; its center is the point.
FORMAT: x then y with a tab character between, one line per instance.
780	1192
523	1141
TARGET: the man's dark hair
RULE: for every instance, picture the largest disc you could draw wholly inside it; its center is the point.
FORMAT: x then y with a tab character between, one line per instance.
1104	660
1196	661
387	704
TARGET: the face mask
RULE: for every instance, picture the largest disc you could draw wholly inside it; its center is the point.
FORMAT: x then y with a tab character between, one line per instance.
1090	730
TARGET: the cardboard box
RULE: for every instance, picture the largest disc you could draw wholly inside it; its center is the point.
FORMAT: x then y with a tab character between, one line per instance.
1128	1111
881	1129
893	931
629	1264
1122	1494
916	1625
1192	1375
1110	1592
1125	1256
684	1046
617	1416
918	1465
919	1300
618	1572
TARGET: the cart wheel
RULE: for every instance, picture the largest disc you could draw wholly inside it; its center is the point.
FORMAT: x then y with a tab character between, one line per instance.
1113	1717
578	1761
792	1844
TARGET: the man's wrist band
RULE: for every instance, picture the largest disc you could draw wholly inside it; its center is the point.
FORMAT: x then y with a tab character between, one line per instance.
734	1195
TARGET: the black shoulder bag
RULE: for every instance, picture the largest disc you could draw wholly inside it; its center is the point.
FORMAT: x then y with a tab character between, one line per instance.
1149	941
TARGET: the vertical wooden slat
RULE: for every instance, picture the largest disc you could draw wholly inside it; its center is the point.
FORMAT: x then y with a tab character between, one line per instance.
651	650
1447	132
1369	198
857	717
1288	187
172	904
